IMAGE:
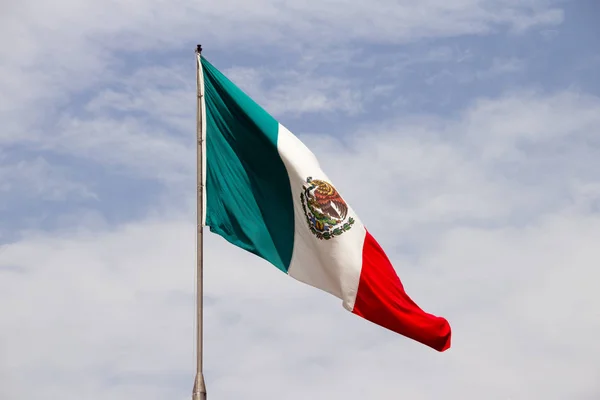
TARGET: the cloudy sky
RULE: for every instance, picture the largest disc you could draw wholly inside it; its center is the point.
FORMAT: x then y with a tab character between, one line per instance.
465	134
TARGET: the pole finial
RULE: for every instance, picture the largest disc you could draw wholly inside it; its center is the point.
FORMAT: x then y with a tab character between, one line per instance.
199	48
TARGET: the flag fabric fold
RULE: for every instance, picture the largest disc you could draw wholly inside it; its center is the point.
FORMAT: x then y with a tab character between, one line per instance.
266	193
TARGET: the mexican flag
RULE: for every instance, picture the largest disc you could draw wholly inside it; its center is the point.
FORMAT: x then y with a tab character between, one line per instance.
266	193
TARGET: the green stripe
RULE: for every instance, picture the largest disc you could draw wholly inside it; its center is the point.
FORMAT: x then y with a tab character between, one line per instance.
249	199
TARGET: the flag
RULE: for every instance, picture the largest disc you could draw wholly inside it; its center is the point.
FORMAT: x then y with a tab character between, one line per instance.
266	193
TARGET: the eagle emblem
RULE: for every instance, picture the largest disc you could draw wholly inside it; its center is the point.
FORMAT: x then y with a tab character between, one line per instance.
325	210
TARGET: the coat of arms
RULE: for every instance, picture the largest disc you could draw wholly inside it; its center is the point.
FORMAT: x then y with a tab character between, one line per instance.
325	209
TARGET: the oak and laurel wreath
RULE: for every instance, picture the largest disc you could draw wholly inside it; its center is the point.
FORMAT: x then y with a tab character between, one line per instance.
326	235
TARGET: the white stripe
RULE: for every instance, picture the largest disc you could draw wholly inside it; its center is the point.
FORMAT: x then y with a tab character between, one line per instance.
332	265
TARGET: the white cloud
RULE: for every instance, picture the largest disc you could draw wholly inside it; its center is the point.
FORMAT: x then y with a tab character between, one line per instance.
105	311
298	93
139	147
38	179
87	46
118	304
490	215
503	66
84	41
505	161
517	123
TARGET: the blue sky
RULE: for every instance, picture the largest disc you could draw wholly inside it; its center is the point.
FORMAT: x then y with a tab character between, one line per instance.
464	134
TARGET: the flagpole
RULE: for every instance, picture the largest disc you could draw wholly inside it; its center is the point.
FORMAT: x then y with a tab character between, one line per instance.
199	392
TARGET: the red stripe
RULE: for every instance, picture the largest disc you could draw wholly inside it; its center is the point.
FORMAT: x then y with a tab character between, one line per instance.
382	300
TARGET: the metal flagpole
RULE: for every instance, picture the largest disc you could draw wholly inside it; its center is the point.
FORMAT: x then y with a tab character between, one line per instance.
199	392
